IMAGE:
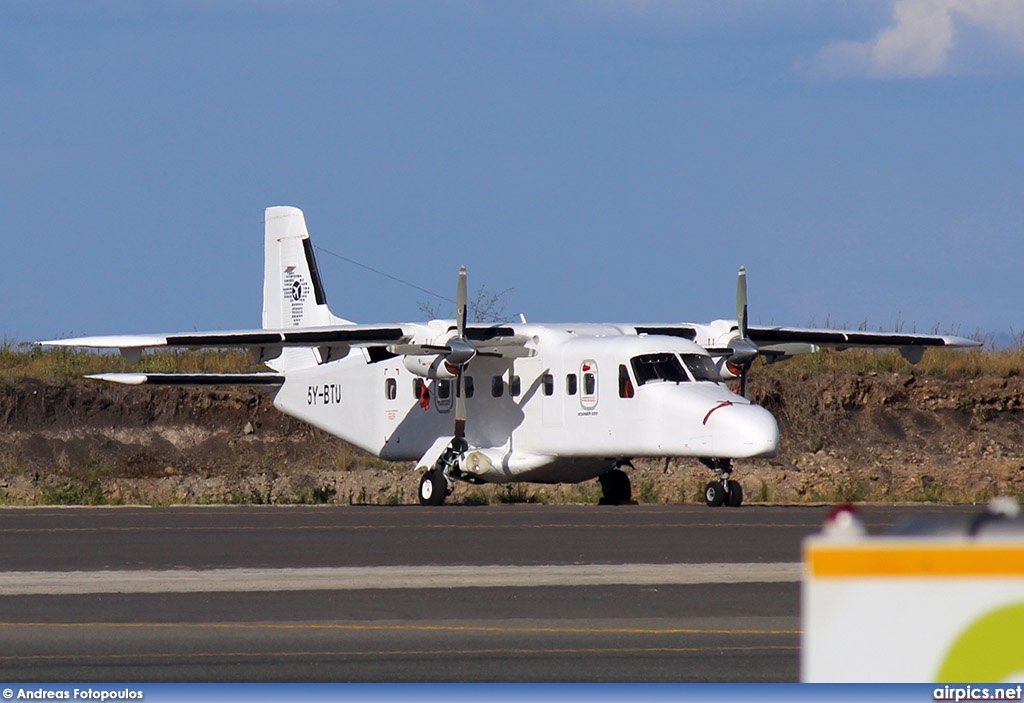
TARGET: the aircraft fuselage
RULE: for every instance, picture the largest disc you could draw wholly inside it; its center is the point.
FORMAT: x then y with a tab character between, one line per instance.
562	415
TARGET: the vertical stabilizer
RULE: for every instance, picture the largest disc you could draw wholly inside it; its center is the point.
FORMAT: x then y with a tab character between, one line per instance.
293	294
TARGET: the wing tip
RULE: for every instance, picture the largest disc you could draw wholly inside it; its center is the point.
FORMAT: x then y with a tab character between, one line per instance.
127	379
139	341
961	342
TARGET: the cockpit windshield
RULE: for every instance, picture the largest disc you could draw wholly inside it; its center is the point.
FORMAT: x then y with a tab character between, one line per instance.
652	368
702	368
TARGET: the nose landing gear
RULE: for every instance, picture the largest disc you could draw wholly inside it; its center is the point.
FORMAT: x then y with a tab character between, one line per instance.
436	484
433	488
724	491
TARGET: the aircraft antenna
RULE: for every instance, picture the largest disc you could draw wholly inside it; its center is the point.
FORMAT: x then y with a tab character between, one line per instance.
396	279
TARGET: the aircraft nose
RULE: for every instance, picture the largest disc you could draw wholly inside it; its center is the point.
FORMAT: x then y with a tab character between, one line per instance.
743	431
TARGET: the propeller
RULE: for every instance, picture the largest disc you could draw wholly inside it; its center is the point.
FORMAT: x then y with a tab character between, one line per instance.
460	350
744	350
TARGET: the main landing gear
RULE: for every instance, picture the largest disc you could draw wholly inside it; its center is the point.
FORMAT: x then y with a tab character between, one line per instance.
724	491
615	487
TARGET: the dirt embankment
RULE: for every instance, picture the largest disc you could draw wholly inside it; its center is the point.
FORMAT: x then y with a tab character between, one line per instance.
879	436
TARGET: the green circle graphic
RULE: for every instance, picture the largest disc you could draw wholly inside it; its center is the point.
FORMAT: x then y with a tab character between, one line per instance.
990	649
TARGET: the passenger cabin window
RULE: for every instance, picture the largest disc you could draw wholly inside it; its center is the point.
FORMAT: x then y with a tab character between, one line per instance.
390	388
702	368
444	389
625	384
497	386
515	386
467	381
548	382
421	391
570	384
656	368
589	384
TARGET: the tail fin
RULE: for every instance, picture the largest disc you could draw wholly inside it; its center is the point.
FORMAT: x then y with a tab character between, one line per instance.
293	294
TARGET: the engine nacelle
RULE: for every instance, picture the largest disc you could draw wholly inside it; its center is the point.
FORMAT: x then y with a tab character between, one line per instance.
728	370
429	366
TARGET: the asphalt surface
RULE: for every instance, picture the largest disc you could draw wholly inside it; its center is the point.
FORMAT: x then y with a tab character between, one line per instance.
490	593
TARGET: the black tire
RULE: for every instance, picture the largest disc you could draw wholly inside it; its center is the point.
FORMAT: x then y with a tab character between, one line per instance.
714	494
735	491
615	487
433	488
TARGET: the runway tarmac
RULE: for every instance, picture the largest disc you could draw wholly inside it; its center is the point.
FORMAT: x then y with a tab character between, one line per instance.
347	593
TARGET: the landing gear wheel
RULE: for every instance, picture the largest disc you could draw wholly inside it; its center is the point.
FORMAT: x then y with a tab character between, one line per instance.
615	487
735	491
714	494
433	488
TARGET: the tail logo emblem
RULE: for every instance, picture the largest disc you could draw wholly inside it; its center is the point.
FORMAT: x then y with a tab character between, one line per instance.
296	290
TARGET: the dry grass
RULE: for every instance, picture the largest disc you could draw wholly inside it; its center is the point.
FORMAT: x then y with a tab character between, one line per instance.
68	365
946	364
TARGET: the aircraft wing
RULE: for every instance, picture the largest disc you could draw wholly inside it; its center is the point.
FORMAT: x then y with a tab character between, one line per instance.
351	335
334	341
766	336
782	342
776	343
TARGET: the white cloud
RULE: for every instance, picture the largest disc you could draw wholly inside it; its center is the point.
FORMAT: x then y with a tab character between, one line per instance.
928	38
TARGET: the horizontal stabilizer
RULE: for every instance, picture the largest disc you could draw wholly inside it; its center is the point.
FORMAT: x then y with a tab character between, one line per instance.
192	379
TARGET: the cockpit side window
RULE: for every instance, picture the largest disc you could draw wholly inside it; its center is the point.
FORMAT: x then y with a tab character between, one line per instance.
652	368
625	385
702	368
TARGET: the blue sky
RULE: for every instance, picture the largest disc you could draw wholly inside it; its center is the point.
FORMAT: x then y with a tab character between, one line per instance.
608	160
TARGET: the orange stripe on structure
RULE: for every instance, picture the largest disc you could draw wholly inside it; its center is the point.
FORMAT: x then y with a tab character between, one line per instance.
914	560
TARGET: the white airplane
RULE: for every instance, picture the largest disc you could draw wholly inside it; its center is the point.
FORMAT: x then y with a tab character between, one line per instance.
507	402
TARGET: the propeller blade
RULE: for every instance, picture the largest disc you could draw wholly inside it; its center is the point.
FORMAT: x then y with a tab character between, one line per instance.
417	349
506	352
741	301
461	353
460	304
460	407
